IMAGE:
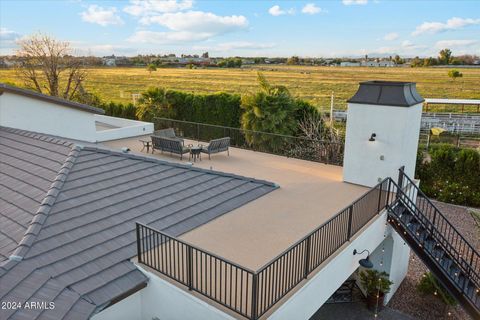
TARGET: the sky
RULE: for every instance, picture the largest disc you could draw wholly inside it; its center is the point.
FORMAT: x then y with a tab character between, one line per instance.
334	28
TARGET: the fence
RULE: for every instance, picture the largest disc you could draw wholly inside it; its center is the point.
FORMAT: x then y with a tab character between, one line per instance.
284	145
252	293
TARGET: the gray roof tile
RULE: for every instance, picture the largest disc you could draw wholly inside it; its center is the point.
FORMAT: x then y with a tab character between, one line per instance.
71	213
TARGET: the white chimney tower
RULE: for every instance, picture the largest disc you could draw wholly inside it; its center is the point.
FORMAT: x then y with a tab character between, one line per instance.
383	127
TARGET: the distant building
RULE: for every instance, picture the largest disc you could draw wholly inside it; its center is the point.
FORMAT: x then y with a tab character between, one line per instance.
381	63
349	64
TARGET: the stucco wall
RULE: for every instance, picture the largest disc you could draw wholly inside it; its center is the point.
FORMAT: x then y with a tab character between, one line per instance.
397	130
126	128
25	113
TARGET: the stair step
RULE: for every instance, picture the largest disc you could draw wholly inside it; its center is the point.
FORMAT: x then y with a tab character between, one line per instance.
446	262
413	226
438	252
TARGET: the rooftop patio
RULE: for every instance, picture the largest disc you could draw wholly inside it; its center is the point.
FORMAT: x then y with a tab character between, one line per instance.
310	193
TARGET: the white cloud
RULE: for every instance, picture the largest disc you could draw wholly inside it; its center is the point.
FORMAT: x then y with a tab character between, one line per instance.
451	24
354	2
277	11
145	36
311	8
154	7
391	36
455	43
8	35
82	48
243	45
101	16
198	21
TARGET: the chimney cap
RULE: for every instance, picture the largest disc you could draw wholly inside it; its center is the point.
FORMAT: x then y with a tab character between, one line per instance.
387	93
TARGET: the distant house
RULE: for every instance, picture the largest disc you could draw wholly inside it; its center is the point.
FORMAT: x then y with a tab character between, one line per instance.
381	63
349	64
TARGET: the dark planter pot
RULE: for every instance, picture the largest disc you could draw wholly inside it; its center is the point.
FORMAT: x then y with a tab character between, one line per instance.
372	302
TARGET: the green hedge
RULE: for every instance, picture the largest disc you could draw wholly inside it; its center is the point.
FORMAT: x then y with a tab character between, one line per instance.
450	174
216	108
120	110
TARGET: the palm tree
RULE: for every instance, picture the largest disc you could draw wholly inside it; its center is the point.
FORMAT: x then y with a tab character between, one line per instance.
271	109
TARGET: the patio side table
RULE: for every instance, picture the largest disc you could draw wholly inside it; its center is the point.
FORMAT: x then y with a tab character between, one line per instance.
195	153
146	144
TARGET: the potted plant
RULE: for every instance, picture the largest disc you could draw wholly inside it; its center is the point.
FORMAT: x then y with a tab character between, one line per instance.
377	285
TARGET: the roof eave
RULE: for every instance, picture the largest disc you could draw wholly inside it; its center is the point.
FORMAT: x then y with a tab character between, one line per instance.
56	100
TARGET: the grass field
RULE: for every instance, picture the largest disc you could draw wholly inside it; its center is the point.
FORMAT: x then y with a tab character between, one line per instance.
311	83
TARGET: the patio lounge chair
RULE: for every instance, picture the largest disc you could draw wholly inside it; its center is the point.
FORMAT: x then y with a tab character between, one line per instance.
216	146
169	145
167	133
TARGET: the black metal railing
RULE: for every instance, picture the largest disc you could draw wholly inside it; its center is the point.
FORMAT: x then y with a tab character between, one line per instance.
284	145
252	293
440	228
221	280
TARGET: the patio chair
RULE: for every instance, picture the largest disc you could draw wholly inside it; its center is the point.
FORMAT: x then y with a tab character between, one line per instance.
216	146
167	133
170	145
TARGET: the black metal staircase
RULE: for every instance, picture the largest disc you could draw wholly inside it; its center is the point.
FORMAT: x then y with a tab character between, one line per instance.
448	255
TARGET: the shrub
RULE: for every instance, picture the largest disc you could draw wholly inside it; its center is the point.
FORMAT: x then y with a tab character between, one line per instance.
430	285
374	281
450	174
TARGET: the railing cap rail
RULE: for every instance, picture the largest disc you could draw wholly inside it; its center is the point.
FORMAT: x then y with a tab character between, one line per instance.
196	248
249	131
266	265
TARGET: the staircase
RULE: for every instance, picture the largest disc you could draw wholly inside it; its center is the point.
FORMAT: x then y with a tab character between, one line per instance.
448	255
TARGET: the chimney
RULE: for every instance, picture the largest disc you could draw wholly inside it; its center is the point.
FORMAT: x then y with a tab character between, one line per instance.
383	126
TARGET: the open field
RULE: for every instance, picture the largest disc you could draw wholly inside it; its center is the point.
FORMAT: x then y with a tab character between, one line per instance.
311	83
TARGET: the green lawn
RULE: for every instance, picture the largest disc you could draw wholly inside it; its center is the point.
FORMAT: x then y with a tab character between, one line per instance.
311	83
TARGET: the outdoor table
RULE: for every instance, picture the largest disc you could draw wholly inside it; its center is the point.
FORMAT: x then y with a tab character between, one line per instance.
195	152
146	144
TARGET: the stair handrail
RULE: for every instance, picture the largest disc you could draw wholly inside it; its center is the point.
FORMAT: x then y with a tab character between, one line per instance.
437	211
469	270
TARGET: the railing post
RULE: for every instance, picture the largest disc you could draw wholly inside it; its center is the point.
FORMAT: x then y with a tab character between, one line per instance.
379	196
190	267
350	220
307	257
400	176
254	296
139	254
198	131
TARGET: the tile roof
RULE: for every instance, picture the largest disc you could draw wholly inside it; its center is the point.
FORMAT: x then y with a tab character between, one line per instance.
71	212
56	100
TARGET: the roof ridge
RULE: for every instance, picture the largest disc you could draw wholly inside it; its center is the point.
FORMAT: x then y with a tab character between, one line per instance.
44	209
179	165
38	136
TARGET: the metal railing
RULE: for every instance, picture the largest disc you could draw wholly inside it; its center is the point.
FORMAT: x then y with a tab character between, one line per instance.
252	293
441	229
283	145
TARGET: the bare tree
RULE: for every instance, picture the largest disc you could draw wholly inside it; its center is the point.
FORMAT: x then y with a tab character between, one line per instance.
322	143
47	66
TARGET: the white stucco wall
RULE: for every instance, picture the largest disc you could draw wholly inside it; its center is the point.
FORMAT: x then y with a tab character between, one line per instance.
126	128
161	300
21	112
397	130
164	300
127	309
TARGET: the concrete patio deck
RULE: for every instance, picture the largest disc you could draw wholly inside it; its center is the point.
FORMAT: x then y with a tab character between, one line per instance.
310	193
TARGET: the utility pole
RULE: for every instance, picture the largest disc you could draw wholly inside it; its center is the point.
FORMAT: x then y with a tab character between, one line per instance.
331	109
